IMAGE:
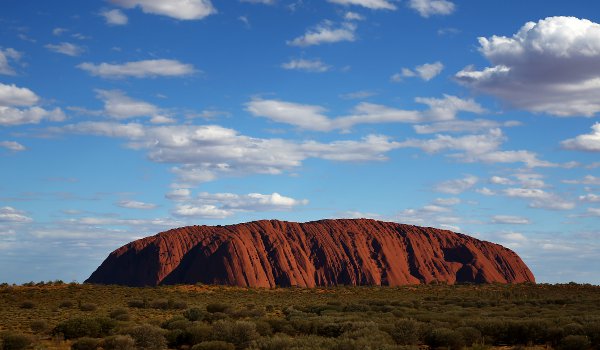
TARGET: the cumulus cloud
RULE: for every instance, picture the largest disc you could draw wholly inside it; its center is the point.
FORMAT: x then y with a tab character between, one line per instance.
177	9
139	69
201	153
179	194
10	214
136	205
114	17
306	65
425	71
509	219
457	186
427	8
353	16
370	4
478	148
462	126
12	97
586	180
431	216
550	66
65	49
590	197
325	33
312	117
6	56
222	205
117	105
12	145
586	142
540	199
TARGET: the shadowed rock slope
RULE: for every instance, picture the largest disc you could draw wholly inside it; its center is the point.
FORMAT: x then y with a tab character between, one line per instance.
320	253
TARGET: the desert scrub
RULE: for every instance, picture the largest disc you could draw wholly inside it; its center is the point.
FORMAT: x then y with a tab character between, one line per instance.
214	345
120	314
97	327
85	343
27	304
118	342
14	341
148	337
240	333
88	307
39	326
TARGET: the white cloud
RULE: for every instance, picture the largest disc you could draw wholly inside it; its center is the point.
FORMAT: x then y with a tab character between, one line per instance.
498	180
447	201
139	69
7	55
306	65
590	197
457	186
509	219
370	4
593	211
177	9
312	117
427	8
586	180
12	96
540	199
586	142
425	71
326	33
10	214
461	126
136	205
264	2
567	47
120	106
353	16
485	191
430	216
201	153
59	31
179	194
12	145
202	211
114	17
65	48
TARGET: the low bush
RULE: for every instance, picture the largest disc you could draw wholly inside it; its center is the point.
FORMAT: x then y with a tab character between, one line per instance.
14	341
120	314
66	304
85	343
405	332
194	314
88	307
39	326
574	342
148	337
217	307
27	304
444	337
118	342
97	327
214	345
240	333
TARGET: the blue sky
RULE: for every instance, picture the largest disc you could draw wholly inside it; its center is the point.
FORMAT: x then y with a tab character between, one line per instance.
120	119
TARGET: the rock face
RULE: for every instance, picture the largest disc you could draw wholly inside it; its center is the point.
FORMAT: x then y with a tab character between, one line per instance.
320	253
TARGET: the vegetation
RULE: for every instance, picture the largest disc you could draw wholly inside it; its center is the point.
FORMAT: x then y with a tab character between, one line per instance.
89	317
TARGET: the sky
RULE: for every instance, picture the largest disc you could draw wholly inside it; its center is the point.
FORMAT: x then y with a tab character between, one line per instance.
120	119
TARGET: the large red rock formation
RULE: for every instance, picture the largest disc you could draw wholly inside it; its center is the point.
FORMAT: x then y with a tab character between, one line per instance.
320	253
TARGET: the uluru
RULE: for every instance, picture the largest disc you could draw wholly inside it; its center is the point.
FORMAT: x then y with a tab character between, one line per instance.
270	253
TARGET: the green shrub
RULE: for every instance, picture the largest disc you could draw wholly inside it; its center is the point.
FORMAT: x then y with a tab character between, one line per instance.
148	337
85	327
88	307
197	333
118	342
138	304
39	326
470	335
85	343
177	322
217	307
66	304
27	304
405	332
240	333
14	341
214	345
574	342
194	314
119	314
444	337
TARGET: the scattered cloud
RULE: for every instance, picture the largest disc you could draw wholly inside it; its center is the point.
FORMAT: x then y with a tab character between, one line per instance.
586	180
312	117
457	186
139	69
306	65
177	9
7	56
540	199
221	205
590	197
425	71
510	220
461	126
59	31
370	4
120	106
12	146
179	194
353	16
12	97
586	142
326	33
10	214
114	17
428	8
136	205
566	46
264	2
65	49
